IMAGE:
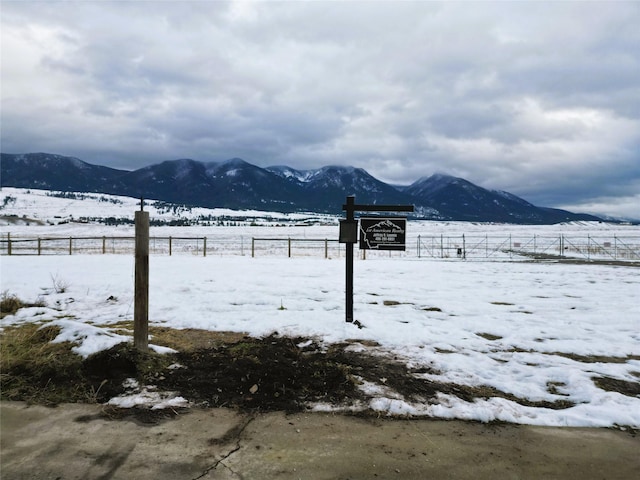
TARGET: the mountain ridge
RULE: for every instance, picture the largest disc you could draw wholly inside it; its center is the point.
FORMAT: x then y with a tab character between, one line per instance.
238	184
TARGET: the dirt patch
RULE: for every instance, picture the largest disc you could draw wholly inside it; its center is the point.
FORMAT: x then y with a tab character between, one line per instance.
280	373
596	358
489	336
631	389
432	309
272	373
222	369
536	257
574	356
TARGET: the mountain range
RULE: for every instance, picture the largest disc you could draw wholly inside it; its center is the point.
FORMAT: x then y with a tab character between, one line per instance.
237	184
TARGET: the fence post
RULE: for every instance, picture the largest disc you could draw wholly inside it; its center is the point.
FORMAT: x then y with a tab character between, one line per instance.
141	295
418	247
326	248
8	243
441	246
464	248
204	246
39	246
289	246
104	244
70	245
170	246
253	247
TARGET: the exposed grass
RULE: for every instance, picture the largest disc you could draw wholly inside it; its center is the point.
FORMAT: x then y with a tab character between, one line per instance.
10	304
190	339
36	370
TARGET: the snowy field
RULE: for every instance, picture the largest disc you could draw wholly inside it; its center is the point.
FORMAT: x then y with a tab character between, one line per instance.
506	325
542	331
34	219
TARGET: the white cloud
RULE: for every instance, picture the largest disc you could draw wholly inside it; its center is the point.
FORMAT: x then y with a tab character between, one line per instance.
538	99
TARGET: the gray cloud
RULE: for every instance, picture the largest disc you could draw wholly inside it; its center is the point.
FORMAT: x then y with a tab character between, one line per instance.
539	99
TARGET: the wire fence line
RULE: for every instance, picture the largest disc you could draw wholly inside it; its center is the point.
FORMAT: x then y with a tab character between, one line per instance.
585	247
461	246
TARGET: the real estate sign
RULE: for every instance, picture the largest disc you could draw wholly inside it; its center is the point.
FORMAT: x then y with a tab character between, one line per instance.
378	233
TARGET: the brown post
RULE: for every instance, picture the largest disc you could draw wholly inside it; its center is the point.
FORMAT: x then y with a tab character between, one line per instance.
141	296
39	246
70	245
204	248
8	243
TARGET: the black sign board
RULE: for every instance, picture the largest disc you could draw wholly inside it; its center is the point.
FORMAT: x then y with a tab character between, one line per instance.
377	233
348	235
348	231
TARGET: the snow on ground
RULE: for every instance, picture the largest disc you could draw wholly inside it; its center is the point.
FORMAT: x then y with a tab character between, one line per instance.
535	330
54	208
29	215
500	324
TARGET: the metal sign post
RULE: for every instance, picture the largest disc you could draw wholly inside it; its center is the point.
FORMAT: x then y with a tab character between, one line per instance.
349	236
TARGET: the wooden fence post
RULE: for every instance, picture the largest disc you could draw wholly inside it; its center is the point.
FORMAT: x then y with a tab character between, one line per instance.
205	246
141	307
8	243
70	245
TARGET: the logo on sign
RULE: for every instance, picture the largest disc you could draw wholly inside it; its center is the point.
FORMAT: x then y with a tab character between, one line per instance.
383	233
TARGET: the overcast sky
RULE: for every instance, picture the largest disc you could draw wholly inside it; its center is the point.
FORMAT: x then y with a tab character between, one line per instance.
538	99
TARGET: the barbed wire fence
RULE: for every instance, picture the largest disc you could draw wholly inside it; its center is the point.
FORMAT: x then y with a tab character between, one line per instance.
466	247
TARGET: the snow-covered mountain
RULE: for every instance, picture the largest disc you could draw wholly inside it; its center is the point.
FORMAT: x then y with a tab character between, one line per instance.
237	184
459	199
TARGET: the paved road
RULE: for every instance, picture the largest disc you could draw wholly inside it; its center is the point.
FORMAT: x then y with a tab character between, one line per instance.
79	442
